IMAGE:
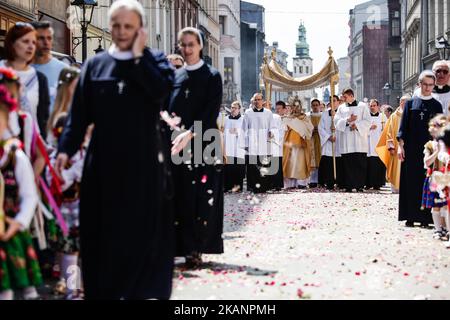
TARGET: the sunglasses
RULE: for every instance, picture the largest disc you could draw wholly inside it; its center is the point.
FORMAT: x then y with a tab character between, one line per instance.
443	71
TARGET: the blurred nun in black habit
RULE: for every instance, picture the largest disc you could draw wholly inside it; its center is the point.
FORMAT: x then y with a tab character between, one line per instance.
196	99
127	243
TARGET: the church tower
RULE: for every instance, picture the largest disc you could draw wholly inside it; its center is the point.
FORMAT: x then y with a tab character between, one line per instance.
303	65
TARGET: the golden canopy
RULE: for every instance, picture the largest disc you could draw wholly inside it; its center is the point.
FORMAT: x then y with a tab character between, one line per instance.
280	80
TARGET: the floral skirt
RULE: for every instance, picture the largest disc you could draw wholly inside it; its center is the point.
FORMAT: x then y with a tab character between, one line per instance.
19	266
431	199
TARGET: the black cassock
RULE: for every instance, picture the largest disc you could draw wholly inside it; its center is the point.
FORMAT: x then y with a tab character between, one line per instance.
197	97
127	245
414	132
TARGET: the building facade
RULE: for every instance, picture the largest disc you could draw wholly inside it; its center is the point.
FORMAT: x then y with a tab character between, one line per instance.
230	49
252	49
281	58
303	66
422	23
344	73
208	22
12	11
394	52
368	49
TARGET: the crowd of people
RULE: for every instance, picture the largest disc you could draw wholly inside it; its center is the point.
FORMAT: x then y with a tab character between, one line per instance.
110	171
335	148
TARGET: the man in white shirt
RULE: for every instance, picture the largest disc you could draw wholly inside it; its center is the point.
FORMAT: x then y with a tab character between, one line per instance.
257	129
235	154
352	120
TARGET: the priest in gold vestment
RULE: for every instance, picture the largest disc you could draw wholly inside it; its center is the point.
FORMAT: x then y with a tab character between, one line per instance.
388	145
297	148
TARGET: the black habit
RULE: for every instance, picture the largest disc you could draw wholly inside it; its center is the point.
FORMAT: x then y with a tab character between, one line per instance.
197	97
127	247
414	132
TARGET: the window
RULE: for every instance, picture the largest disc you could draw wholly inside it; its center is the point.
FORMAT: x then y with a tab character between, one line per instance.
222	20
228	70
307	70
395	28
301	69
396	78
440	17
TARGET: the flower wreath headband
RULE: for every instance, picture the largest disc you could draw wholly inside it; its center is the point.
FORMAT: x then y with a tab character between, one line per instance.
8	74
7	99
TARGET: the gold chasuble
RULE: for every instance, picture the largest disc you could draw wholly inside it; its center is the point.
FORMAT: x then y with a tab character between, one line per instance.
388	140
297	149
317	146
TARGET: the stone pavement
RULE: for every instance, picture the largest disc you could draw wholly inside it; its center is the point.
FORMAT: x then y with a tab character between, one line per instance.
315	244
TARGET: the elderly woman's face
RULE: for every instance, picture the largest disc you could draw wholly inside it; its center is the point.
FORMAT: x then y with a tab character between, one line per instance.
124	26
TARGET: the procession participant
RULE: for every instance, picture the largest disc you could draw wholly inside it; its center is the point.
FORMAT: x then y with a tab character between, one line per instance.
352	120
442	89
257	127
126	225
388	110
315	116
199	194
19	267
235	155
20	47
376	171
44	61
68	247
431	198
297	147
412	136
67	82
387	146
276	144
176	60
328	139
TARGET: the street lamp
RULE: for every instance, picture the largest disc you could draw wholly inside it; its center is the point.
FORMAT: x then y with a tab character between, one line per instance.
100	48
387	89
442	46
85	19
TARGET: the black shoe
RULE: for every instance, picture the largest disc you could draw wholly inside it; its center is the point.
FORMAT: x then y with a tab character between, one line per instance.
360	190
313	185
409	224
194	260
301	187
348	190
424	225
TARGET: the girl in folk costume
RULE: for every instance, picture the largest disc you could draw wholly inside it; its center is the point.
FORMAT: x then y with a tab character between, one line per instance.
69	246
19	267
431	199
297	146
22	126
444	157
